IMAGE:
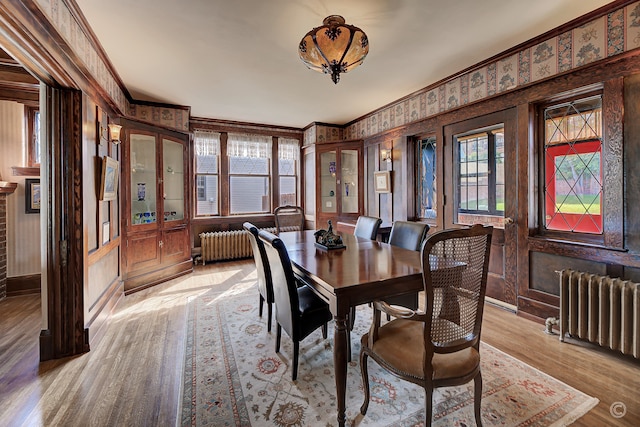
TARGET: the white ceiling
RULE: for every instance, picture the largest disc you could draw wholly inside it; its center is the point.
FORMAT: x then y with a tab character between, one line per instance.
238	60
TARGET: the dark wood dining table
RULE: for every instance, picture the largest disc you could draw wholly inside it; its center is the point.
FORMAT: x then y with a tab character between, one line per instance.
364	271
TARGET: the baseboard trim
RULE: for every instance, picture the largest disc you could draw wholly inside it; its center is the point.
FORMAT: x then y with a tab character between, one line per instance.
102	311
46	345
23	285
502	304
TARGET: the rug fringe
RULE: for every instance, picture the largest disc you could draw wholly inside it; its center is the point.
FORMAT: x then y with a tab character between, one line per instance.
577	413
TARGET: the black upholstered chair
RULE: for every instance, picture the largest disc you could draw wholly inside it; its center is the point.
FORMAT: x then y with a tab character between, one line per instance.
367	227
265	284
289	218
407	235
298	309
440	346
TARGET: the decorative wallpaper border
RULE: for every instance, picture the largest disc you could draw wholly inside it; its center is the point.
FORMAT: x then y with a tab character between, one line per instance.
65	21
175	118
609	35
319	133
69	28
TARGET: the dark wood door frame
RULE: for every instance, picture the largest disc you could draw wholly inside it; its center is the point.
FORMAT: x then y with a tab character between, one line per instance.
27	35
61	178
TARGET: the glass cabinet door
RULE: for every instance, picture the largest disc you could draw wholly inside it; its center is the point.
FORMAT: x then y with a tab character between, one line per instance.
173	180
328	180
349	180
143	178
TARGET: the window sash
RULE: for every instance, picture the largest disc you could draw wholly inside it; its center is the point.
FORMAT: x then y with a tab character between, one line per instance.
207	206
558	215
32	118
230	148
573	130
479	187
426	179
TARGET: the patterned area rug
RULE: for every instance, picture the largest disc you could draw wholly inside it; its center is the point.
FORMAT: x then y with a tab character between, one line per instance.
233	377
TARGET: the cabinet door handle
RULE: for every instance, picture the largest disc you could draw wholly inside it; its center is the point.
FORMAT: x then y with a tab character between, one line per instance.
160	243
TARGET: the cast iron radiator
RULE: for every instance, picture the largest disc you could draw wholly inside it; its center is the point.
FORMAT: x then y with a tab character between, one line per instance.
227	245
600	309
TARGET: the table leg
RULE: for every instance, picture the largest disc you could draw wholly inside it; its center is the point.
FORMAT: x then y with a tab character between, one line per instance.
340	364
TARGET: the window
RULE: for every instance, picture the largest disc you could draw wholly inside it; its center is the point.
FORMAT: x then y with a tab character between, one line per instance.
207	152
32	118
249	173
480	176
252	170
573	167
426	179
288	159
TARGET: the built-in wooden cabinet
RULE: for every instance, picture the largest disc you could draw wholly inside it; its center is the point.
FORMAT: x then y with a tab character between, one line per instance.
337	182
156	209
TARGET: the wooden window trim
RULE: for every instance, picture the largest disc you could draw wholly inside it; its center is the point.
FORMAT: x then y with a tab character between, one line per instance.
29	115
612	147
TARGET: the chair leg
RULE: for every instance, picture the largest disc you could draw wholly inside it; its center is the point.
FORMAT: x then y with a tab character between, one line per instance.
365	382
325	330
348	345
269	312
278	334
428	405
294	371
352	318
477	398
260	306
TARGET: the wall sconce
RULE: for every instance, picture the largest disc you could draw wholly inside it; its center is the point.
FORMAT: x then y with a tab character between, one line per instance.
114	133
385	155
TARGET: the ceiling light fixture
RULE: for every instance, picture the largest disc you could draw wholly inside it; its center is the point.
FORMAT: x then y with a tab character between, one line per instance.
334	47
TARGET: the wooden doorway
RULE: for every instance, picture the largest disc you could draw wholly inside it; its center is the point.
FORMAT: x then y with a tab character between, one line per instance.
63	332
481	187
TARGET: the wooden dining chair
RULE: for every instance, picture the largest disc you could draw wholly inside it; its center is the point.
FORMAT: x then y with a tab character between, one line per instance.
265	284
407	235
289	218
367	227
440	346
298	309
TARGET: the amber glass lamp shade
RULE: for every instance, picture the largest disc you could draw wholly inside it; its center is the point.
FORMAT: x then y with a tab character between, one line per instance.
114	133
334	47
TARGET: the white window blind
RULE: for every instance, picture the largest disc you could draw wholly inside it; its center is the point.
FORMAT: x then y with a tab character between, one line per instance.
288	149
207	143
247	145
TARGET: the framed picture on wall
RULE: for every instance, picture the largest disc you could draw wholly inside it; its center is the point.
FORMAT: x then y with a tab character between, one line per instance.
109	183
32	195
382	181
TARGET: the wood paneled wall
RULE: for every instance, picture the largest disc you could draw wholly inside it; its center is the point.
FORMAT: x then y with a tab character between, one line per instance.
536	254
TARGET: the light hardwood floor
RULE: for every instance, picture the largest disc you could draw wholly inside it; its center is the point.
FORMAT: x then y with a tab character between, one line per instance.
132	377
